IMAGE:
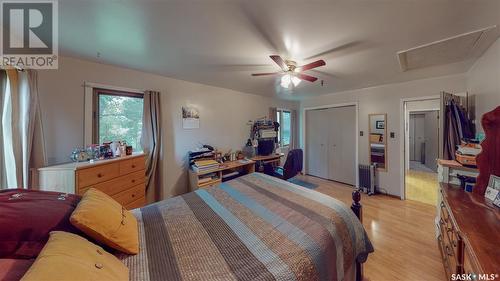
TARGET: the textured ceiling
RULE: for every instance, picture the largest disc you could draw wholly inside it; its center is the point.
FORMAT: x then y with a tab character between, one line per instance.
221	43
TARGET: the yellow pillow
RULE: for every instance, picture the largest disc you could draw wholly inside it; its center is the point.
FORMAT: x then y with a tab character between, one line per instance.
102	218
67	256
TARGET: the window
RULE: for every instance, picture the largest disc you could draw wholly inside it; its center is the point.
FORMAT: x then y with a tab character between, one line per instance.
118	117
283	117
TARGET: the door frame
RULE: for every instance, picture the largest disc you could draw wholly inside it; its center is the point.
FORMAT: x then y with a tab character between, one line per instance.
402	143
304	135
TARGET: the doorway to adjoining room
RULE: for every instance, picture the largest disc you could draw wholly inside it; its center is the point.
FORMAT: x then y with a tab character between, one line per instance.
421	150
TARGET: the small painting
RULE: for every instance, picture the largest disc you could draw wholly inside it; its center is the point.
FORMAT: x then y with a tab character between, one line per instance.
380	124
190	118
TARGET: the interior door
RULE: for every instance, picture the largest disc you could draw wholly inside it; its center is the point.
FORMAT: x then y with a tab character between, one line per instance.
342	144
317	143
411	138
419	136
431	139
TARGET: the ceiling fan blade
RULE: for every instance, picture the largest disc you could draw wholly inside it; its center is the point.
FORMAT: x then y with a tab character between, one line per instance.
281	62
312	65
264	74
306	77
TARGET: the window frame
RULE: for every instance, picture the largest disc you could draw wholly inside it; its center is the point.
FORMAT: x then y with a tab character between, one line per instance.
96	92
279	118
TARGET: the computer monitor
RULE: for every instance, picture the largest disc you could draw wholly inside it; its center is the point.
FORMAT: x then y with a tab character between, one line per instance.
265	147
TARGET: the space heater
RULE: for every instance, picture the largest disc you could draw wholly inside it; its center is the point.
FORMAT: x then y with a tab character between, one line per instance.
367	178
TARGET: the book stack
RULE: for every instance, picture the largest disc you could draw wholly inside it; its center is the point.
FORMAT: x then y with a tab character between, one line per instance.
208	178
200	166
200	155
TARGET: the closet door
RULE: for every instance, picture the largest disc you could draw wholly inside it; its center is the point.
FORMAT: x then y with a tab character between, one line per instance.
317	143
342	144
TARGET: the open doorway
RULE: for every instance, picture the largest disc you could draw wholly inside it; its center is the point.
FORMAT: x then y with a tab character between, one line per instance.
421	150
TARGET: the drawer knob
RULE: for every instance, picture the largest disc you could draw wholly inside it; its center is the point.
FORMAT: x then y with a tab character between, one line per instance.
99	175
133	181
133	195
133	166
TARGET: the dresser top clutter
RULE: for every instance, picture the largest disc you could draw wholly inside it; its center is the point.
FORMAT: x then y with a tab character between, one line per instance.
89	164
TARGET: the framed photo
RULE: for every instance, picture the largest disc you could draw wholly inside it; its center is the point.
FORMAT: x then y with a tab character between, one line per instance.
190	118
494	182
380	124
493	190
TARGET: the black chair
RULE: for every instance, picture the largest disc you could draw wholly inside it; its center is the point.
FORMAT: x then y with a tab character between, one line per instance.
292	167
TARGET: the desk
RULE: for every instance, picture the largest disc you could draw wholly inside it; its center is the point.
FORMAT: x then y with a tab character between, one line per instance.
268	158
448	171
273	159
199	179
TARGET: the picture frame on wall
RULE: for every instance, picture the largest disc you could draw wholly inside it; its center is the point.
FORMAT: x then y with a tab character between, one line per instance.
190	118
380	124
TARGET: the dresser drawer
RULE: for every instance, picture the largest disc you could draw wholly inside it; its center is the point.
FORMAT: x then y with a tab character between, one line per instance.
469	265
132	165
128	196
119	184
136	204
101	173
448	268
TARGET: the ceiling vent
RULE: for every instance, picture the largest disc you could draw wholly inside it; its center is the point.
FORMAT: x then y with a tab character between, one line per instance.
454	49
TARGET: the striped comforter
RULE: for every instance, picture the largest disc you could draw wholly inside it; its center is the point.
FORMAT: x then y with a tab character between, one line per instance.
252	228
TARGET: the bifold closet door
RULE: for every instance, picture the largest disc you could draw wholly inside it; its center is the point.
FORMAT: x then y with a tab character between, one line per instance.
342	144
317	143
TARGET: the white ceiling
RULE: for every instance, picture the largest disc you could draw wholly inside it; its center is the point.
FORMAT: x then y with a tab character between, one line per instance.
221	43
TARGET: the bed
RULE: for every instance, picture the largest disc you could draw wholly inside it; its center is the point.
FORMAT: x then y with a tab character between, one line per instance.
255	227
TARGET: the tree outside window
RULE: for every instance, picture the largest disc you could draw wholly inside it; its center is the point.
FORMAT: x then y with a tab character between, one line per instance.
118	117
283	117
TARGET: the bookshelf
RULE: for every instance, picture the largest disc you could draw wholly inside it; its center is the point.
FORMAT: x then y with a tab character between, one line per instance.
225	171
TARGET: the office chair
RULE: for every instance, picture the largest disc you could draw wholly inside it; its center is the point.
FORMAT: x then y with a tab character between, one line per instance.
293	166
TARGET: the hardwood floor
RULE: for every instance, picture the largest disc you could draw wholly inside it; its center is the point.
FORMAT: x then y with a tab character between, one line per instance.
421	186
402	233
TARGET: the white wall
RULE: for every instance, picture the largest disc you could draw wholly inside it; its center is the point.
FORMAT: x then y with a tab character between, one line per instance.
223	113
387	99
483	81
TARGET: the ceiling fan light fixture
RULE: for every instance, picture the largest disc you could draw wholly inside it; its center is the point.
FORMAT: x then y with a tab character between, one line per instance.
288	79
295	81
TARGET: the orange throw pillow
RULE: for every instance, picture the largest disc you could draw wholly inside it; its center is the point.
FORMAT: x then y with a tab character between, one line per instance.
102	218
67	256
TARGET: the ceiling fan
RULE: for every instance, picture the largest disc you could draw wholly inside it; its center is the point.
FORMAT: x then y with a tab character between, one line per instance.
292	73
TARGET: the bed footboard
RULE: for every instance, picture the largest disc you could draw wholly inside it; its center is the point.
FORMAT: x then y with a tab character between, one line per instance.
358	211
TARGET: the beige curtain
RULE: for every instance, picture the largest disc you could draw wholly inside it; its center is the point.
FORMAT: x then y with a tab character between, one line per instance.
151	143
272	113
21	149
294	130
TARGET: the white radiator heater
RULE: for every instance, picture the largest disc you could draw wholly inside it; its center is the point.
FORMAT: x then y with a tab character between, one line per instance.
367	178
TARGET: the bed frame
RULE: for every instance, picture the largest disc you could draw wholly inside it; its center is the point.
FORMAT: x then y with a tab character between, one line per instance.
358	211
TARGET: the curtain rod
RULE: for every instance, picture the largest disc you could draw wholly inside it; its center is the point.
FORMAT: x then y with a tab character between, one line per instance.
110	87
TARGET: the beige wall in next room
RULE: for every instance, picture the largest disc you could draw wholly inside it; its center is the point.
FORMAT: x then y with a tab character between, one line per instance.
223	113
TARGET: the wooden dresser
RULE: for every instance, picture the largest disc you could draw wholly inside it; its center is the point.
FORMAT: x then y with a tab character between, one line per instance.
469	236
122	178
